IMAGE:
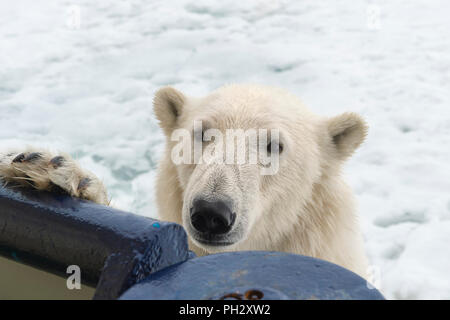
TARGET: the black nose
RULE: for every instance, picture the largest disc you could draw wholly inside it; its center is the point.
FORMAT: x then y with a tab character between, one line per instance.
213	217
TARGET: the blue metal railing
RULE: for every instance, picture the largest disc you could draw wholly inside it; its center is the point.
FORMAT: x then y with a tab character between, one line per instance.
114	249
128	256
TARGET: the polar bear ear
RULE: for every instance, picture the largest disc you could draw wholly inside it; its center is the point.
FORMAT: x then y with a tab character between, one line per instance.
168	105
347	132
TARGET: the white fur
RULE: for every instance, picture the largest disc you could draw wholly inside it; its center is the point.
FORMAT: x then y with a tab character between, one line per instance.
306	208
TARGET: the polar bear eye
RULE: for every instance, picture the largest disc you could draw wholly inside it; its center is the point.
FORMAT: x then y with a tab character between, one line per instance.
199	135
278	147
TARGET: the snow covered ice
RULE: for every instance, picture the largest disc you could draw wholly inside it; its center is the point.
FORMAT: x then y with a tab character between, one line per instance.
79	77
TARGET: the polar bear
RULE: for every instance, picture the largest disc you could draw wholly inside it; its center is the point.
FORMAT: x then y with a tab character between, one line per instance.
304	207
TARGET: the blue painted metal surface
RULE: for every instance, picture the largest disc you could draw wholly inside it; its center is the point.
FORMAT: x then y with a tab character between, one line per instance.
253	275
134	257
114	249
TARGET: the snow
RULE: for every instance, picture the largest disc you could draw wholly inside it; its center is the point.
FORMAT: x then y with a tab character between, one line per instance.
87	90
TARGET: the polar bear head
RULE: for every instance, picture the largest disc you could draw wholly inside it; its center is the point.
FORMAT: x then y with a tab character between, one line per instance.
228	201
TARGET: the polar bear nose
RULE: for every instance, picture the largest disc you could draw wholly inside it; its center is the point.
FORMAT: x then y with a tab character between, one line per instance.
213	217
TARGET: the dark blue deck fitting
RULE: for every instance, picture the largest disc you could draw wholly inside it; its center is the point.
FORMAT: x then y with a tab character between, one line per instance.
117	251
114	249
253	275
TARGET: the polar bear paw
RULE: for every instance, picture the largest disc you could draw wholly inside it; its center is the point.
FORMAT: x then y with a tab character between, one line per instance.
43	170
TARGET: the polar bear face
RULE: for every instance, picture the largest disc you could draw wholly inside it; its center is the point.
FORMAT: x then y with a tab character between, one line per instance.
247	159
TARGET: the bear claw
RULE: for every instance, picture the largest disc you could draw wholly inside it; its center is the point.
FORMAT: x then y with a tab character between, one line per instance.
32	156
19	158
84	183
57	162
